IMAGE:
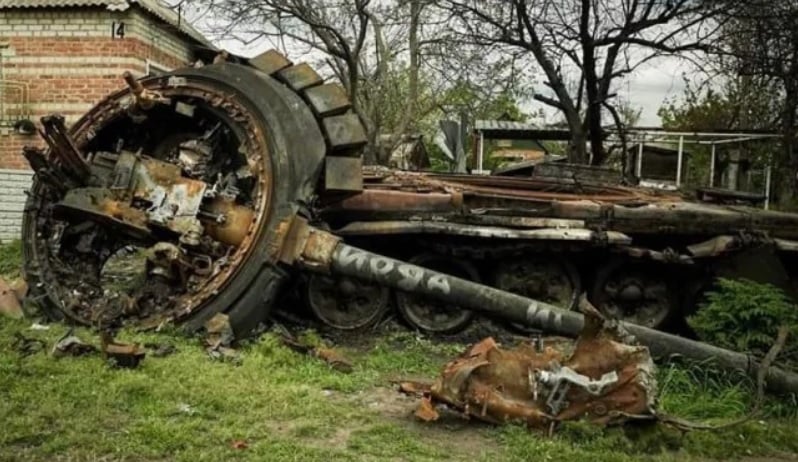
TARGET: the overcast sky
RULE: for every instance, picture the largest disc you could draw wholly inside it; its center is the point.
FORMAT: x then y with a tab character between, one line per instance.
650	86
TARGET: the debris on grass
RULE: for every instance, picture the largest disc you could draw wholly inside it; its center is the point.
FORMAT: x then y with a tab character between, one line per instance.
27	346
219	332
161	350
239	444
118	354
71	345
334	358
9	301
219	337
604	380
225	354
187	409
331	356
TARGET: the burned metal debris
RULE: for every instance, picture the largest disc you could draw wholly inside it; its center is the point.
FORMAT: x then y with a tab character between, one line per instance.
329	355
10	300
599	378
119	354
135	177
219	338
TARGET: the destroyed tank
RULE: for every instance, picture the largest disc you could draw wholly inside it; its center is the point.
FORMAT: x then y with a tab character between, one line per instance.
180	197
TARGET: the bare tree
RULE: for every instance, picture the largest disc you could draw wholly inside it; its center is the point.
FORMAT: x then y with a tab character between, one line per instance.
394	57
335	30
583	46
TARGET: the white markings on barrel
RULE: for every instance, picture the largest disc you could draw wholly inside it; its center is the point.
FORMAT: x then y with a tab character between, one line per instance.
411	277
439	282
349	256
381	265
539	316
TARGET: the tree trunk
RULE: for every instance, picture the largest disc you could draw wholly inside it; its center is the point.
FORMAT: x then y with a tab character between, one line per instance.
415	57
578	147
591	82
596	133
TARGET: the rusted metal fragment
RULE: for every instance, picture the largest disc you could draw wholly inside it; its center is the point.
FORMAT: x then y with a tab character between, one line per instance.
334	358
300	77
341	174
318	250
484	217
218	332
239	444
46	172
270	61
415	388
235	223
118	354
307	246
172	200
145	99
293	234
344	132
375	200
426	410
331	356
328	100
219	337
600	378
9	301
63	148
458	229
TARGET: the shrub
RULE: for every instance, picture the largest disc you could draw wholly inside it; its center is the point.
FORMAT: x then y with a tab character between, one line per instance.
744	315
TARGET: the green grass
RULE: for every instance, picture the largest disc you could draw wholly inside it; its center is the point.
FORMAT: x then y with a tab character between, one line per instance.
290	407
11	259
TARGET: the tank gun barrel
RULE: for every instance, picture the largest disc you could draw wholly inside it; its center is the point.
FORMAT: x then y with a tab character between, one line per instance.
325	252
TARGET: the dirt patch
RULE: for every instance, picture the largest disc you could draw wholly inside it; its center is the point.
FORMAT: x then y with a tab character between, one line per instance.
453	431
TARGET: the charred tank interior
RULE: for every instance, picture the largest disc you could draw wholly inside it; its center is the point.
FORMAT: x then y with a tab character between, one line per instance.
143	208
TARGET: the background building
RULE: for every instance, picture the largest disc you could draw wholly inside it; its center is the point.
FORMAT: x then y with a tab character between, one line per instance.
64	56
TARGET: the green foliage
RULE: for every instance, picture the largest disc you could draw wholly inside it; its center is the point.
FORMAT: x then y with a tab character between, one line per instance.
11	259
744	103
744	315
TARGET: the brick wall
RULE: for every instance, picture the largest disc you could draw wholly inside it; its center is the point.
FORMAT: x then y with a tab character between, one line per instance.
13	184
65	61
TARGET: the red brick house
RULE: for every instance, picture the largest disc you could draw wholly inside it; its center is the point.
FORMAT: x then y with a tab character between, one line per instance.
64	56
